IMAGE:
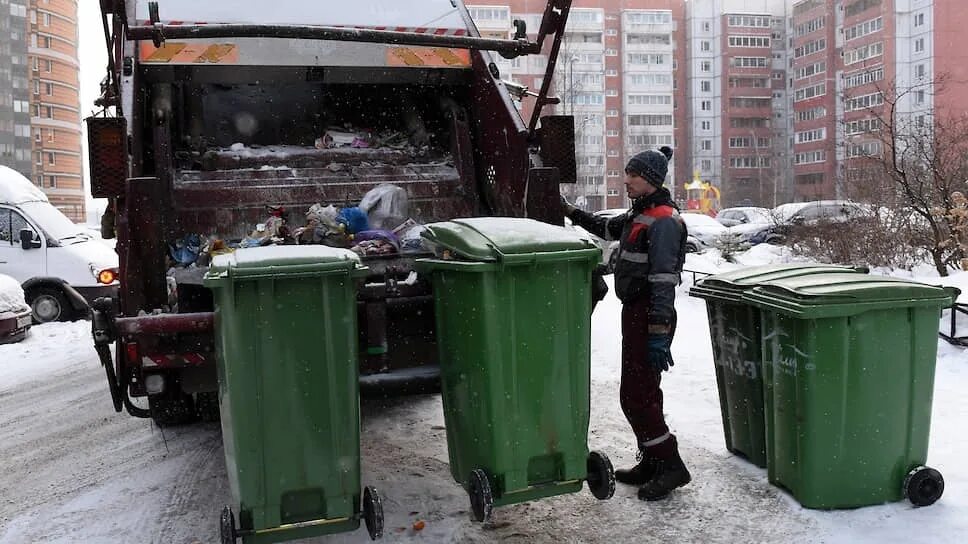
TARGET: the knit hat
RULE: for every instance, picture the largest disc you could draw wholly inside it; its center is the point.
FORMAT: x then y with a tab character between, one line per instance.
651	165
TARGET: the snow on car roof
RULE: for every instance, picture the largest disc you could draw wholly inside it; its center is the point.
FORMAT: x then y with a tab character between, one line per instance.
11	295
421	14
16	189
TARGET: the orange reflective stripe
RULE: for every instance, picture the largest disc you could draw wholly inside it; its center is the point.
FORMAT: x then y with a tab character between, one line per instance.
428	56
176	52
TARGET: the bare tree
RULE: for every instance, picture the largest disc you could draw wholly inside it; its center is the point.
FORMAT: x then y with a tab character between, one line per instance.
919	162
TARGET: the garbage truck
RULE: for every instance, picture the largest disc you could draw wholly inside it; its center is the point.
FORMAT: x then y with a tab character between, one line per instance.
219	118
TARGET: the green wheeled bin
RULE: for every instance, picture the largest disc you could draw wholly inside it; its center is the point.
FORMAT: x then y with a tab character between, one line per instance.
734	331
848	380
513	309
286	329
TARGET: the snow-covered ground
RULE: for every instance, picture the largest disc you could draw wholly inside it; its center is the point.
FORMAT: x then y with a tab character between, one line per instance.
74	471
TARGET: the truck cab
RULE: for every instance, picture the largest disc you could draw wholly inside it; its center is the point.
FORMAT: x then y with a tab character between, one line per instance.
217	112
61	267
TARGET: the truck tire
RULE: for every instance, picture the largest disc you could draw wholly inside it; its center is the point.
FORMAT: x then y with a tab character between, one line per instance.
49	304
172	408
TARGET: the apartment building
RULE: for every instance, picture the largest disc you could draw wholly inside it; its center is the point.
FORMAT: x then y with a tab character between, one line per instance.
14	87
618	74
55	121
852	59
737	98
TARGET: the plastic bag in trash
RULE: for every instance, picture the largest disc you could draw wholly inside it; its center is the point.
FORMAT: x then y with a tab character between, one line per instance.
186	250
355	219
409	234
326	216
386	205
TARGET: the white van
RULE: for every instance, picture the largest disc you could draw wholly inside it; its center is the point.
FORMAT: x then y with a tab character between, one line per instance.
61	267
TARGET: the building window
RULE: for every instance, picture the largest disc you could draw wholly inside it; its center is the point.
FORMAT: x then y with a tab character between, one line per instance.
611	32
919	19
919	97
613	173
612	133
707	26
706	125
47	19
53	181
919	71
748	62
613	192
611	113
37	137
705	45
36	64
647	120
49	88
611	73
611	92
611	53
706	86
706	66
919	45
749	41
863	29
705	165
862	78
49	112
613	153
45	42
809	48
706	145
51	159
752	21
51	134
706	105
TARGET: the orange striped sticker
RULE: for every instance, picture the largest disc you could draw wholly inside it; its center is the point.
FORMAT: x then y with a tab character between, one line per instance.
428	56
190	53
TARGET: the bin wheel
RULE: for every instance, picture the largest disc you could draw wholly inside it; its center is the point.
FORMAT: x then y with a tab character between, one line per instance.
923	486
226	527
373	512
601	476
479	489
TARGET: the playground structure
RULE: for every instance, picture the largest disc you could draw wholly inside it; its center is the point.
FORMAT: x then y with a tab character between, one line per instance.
701	196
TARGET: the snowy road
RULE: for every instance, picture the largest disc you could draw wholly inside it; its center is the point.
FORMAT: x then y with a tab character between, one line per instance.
74	471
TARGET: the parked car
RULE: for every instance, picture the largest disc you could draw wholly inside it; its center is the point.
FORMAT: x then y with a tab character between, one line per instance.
15	318
787	216
706	230
743	215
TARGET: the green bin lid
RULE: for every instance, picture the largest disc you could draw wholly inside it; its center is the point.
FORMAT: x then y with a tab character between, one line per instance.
282	260
731	285
495	238
840	295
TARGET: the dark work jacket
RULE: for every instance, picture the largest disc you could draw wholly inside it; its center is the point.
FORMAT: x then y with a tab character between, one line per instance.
652	249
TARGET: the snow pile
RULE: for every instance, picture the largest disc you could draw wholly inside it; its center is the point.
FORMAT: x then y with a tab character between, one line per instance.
11	295
51	350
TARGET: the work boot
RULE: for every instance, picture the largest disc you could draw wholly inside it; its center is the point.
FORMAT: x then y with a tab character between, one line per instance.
640	473
669	474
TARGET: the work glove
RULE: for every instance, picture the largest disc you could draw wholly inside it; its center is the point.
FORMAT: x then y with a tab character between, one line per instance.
660	354
566	207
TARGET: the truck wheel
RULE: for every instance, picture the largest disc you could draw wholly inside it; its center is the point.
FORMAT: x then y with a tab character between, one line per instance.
172	408
49	304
